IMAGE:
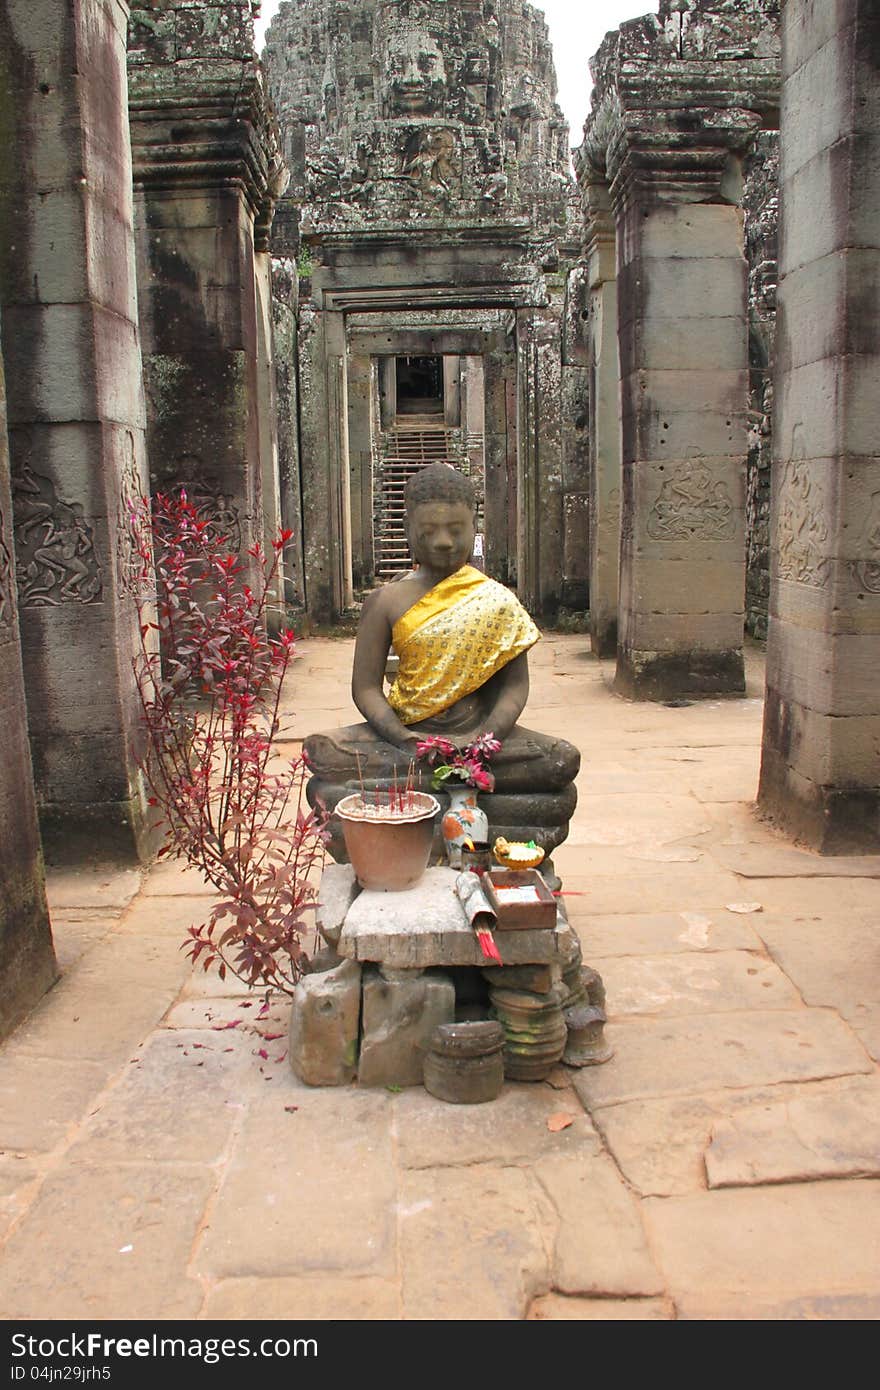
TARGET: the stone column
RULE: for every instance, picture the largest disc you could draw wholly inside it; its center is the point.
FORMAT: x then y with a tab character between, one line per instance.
284	335
324	443
604	368
540	524
360	449
206	170
499	378
820	771
27	959
684	393
76	423
575	586
679	99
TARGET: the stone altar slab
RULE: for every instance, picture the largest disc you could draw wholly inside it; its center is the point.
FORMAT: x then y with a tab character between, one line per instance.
426	926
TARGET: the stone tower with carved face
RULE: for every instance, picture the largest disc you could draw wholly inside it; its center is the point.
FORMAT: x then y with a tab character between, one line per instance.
417	109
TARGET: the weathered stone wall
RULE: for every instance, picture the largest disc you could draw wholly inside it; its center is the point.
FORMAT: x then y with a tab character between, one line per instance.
76	425
820	771
27	960
207	171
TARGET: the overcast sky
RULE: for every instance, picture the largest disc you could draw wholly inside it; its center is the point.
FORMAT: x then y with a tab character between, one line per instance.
577	27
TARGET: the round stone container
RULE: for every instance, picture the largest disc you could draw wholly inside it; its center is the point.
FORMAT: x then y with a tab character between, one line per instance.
464	1064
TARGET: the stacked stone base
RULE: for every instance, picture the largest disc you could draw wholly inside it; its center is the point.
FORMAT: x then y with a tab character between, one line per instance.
398	963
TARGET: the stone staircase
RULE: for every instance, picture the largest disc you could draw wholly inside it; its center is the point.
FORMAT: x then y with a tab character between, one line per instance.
406	449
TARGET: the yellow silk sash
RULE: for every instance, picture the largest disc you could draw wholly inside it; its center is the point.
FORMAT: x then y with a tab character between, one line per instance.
453	640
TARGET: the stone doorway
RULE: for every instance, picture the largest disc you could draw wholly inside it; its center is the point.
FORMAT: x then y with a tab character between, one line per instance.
419	382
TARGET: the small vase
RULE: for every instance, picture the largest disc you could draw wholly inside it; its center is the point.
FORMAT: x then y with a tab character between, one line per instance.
464	820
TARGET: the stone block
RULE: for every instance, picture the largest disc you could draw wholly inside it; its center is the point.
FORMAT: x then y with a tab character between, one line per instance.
690	231
654	430
600	1245
67	1088
401	1009
828	307
675	344
827	97
324	1021
337	892
660	633
676	586
807	28
426	925
832	407
834	675
688	287
818	221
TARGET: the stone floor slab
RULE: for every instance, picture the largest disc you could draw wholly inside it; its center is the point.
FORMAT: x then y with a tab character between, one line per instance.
41	1098
661	933
99	886
784	861
793	1240
309	1189
431	1134
679	1056
470	1243
319	1299
107	1242
825	1136
747	1308
847	979
690	983
19	1177
177	1102
600	1245
557	1308
660	1144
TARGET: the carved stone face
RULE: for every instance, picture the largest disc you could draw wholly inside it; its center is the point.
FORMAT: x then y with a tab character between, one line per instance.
415	74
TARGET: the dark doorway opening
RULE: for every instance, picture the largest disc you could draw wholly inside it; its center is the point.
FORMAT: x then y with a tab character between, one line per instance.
419	385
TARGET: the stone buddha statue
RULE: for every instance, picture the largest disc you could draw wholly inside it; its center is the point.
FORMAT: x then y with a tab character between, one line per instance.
462	643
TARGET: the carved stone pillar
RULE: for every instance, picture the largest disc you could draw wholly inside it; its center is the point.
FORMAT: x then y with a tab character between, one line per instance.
604	430
575	585
207	171
324	444
820	772
73	369
499	379
27	960
539	474
671	155
360	451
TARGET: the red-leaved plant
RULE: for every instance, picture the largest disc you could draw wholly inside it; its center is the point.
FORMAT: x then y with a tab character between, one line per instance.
209	680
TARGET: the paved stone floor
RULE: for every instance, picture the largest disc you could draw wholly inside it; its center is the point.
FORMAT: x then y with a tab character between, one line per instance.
158	1159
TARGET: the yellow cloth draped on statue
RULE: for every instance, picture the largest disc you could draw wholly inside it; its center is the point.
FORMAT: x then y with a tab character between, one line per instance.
453	640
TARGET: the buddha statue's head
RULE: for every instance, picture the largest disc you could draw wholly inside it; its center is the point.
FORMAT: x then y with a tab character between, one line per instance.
439	504
414	81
